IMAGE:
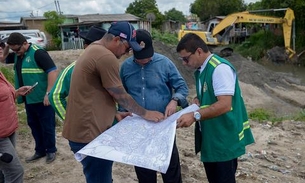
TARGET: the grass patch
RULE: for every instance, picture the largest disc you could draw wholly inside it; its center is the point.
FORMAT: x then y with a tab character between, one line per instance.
8	73
300	116
263	115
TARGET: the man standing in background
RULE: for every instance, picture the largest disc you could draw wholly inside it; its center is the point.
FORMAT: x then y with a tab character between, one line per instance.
33	64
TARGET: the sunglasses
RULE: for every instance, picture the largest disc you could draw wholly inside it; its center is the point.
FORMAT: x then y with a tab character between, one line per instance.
18	49
186	59
127	47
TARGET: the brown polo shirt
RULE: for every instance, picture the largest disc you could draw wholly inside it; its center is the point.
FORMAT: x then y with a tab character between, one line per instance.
91	109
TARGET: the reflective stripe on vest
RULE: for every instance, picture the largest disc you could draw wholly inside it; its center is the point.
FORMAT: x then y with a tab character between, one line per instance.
246	126
31	71
58	87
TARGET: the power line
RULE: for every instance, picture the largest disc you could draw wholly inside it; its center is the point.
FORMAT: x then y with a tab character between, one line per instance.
25	10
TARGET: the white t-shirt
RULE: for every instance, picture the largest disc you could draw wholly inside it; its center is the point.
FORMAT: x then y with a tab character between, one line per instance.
223	79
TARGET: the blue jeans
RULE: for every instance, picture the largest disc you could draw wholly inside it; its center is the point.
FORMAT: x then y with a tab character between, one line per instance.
13	171
96	170
41	120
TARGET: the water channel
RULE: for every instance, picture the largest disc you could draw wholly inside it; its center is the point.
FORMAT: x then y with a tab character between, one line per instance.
295	71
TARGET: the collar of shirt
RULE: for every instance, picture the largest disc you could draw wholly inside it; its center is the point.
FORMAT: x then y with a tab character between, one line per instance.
201	68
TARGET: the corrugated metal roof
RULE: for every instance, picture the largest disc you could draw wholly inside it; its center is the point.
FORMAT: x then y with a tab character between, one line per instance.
99	18
84	19
107	17
94	17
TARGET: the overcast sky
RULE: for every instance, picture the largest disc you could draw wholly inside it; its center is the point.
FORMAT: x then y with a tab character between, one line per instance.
12	10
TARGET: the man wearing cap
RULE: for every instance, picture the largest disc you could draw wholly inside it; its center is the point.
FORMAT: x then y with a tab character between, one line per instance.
95	88
60	89
155	83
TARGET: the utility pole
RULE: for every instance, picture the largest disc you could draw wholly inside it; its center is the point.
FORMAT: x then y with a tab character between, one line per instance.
57	6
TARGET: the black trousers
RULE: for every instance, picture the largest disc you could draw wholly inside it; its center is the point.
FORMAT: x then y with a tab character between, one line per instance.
221	172
173	174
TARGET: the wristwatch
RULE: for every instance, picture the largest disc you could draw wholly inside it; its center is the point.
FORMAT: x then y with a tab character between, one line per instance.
197	116
175	99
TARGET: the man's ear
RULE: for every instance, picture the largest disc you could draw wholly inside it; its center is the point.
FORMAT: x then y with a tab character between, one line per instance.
116	38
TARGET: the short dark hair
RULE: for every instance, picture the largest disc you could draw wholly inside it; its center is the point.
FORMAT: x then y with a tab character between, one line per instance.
190	42
16	38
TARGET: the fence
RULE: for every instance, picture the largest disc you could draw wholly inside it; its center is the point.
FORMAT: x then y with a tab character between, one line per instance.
72	43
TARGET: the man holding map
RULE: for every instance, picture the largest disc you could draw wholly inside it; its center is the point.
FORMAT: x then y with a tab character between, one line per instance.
150	78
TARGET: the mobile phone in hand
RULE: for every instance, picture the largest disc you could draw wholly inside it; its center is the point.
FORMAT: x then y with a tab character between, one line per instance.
32	87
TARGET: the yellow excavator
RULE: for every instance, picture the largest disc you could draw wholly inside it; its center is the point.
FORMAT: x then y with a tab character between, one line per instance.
214	39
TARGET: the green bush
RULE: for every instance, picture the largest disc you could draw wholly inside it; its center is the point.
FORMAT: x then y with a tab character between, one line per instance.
258	43
166	37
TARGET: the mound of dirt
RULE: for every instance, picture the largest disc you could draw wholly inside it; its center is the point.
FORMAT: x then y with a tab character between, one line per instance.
277	155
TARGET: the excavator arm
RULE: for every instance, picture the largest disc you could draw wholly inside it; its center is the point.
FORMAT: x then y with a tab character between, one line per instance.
250	17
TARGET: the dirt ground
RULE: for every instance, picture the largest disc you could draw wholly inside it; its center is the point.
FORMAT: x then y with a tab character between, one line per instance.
277	155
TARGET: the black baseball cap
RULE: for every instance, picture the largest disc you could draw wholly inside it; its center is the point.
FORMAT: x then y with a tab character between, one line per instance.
144	38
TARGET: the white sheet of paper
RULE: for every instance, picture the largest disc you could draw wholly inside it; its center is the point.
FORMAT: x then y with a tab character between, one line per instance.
137	142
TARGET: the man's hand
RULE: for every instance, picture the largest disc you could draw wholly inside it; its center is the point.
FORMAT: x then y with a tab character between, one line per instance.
121	115
186	120
153	116
171	108
46	101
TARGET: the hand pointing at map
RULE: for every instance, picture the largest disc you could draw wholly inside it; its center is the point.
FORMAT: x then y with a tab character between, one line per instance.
153	116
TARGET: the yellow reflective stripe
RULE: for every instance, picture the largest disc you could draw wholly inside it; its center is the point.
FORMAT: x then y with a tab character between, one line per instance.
214	61
205	106
246	126
31	70
56	94
35	47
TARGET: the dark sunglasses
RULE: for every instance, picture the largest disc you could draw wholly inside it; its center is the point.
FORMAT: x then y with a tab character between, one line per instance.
186	59
127	48
18	49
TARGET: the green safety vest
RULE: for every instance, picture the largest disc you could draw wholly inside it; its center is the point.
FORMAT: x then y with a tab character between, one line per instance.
32	73
224	137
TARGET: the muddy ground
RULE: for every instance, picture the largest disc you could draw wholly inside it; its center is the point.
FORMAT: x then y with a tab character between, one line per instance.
277	156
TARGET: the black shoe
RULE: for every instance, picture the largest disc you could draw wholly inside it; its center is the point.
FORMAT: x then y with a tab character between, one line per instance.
36	156
50	157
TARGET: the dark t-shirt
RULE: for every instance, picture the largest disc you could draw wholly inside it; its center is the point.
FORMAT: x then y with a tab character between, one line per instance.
42	59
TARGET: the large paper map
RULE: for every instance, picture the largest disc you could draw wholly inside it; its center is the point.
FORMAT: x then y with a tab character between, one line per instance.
136	141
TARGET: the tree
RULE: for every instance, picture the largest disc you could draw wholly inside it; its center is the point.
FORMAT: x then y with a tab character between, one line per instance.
51	25
141	8
175	15
298	7
206	9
